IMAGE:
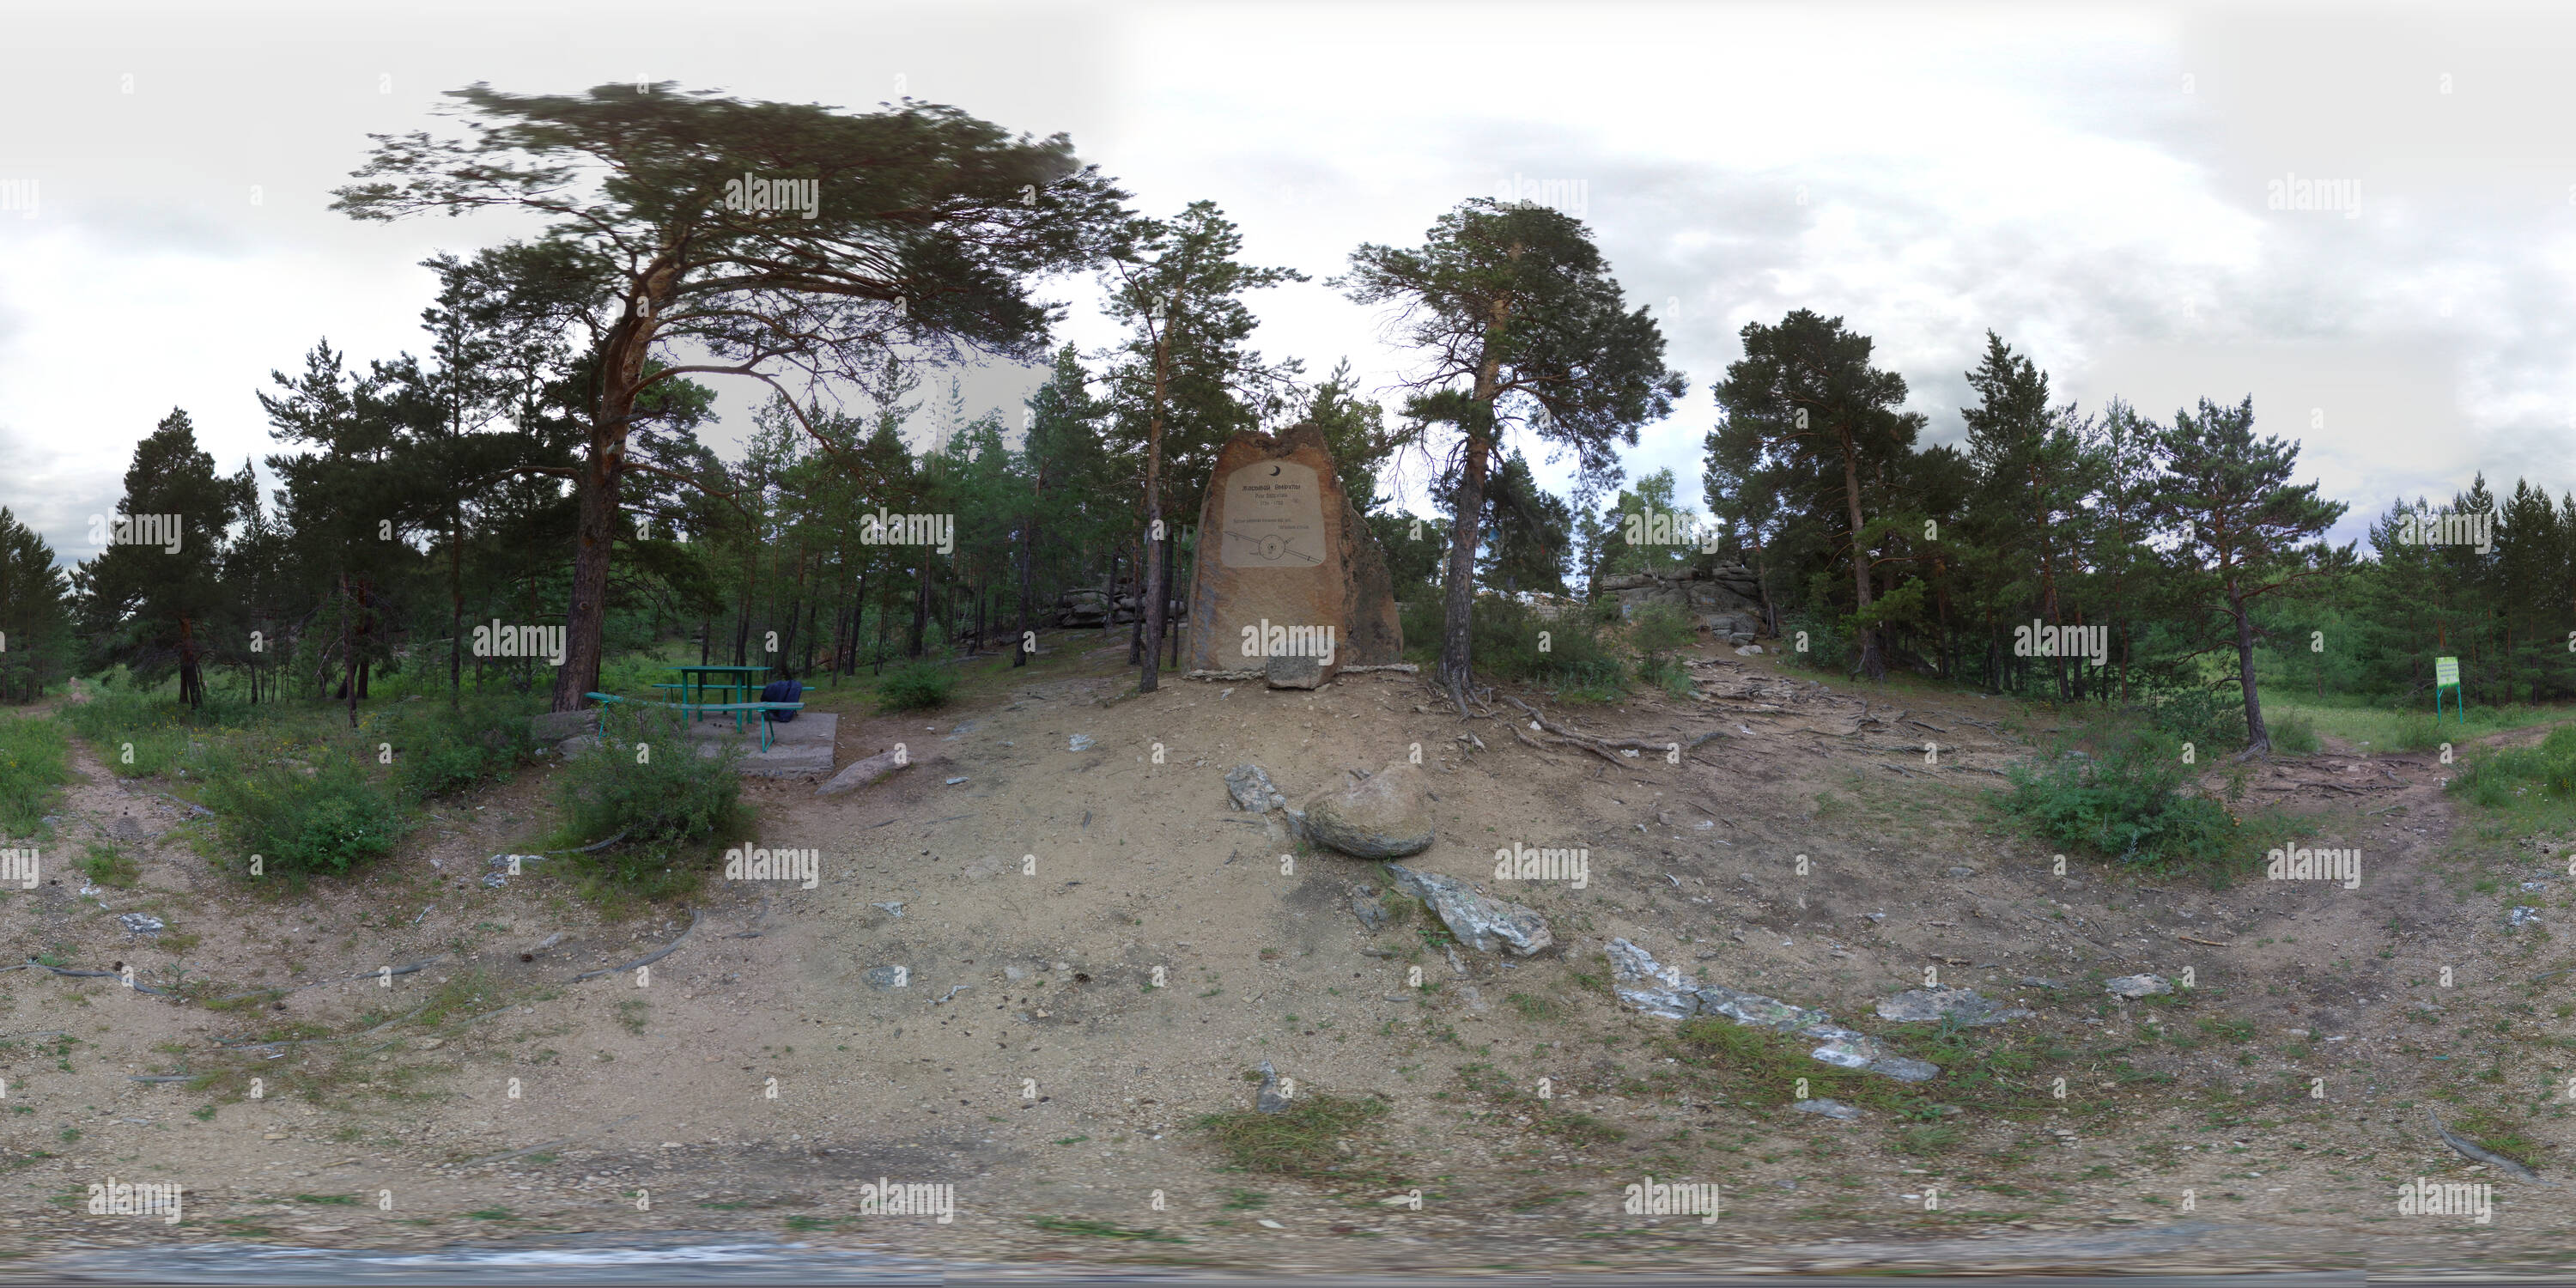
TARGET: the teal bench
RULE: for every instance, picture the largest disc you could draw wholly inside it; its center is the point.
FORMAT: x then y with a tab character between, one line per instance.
740	711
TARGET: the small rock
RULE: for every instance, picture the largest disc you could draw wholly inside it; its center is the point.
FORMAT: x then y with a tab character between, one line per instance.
1829	1108
1252	791
954	781
1964	1005
2521	916
1477	921
427	1044
494	880
1081	742
1383	817
886	977
1748	650
1371	915
140	923
1963	870
1269	1101
1014	972
2034	981
895	907
2134	987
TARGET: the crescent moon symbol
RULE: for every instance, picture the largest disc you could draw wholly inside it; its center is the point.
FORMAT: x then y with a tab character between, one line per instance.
1274	471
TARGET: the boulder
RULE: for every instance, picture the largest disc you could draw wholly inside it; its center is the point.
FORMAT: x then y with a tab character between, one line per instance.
1289	567
1384	817
1290	671
868	772
2134	987
1478	922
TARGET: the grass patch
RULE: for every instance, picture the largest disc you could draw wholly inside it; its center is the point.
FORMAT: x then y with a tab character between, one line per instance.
2293	735
2506	776
106	865
1305	1140
34	764
2494	1132
1101	1229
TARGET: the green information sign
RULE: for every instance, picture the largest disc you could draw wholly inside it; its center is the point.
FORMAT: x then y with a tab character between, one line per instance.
2446	675
2446	671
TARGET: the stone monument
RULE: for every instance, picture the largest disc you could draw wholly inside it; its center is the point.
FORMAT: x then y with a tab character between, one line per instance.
1289	581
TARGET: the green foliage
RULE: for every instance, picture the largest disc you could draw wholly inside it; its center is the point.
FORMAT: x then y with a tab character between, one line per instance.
667	802
2128	805
439	751
918	687
2293	735
109	866
2497	779
1574	657
301	819
34	765
2211	720
35	614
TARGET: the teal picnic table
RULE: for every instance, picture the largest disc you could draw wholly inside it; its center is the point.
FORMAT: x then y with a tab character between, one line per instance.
749	683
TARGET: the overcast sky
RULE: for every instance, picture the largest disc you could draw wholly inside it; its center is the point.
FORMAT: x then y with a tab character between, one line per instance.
2091	182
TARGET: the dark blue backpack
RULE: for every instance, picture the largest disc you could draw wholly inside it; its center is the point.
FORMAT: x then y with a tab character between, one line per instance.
782	691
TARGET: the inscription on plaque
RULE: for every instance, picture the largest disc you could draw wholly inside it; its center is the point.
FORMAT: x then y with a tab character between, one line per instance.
1274	517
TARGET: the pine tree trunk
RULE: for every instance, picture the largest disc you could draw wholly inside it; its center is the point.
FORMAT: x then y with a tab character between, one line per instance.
2257	738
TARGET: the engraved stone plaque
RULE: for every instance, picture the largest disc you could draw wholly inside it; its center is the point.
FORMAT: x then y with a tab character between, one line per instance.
1274	517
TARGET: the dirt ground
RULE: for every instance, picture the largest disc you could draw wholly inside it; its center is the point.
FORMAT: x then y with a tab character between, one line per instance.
1031	894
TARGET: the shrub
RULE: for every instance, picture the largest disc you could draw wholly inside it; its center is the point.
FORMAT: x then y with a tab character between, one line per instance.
32	770
918	687
675	801
2128	805
1657	632
325	818
1507	641
439	751
2208	718
2293	735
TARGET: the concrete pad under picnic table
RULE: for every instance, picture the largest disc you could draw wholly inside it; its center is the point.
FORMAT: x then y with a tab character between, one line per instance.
797	748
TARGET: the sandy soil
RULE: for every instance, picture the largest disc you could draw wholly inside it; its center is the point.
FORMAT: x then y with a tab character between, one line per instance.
762	1073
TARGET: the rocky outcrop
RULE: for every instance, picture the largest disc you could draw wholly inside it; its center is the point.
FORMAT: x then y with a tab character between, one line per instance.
1724	598
1478	922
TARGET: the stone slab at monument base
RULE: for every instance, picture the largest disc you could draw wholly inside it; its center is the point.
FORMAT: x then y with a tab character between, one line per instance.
1286	566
